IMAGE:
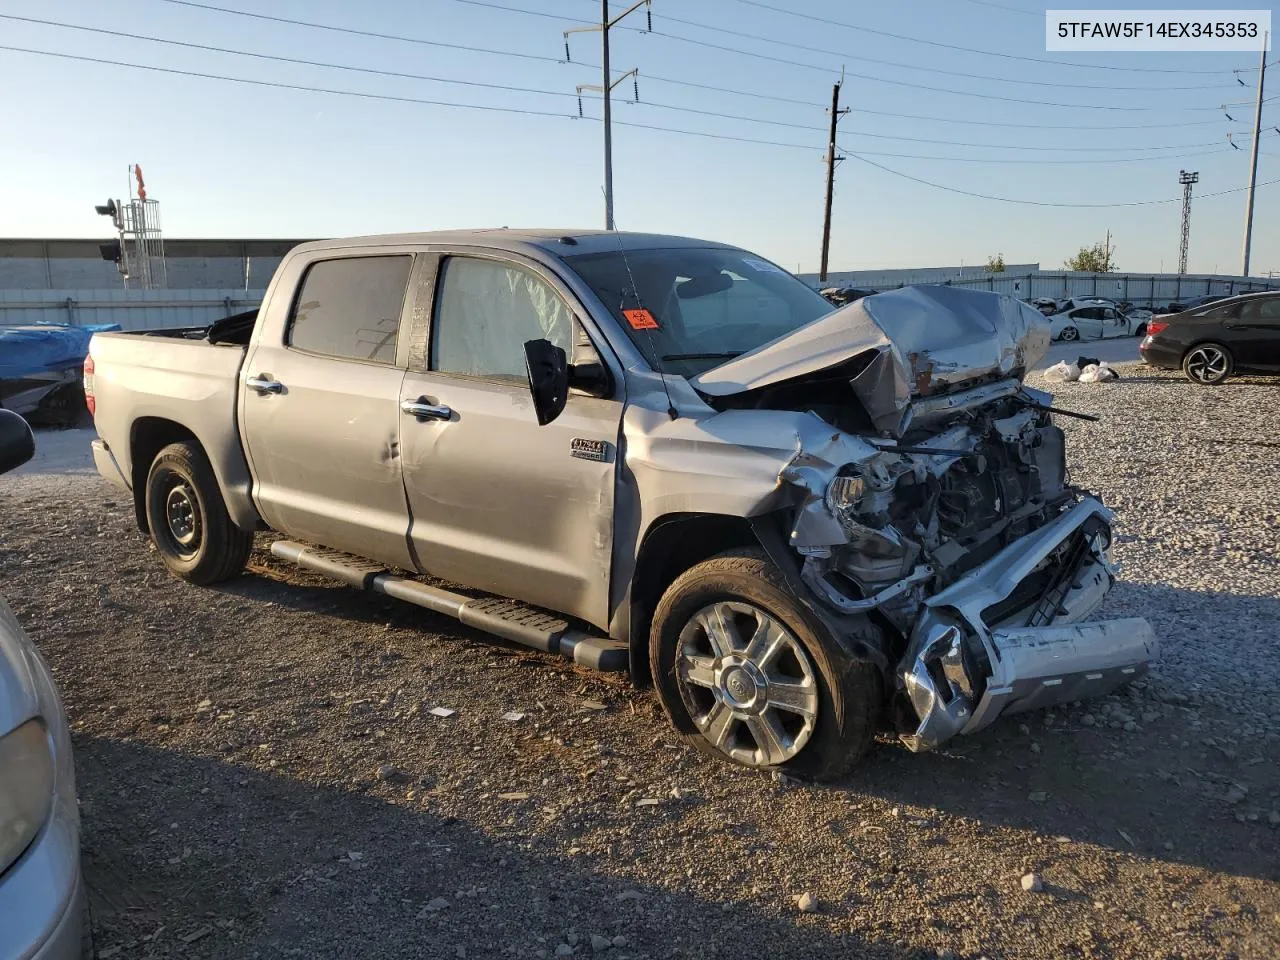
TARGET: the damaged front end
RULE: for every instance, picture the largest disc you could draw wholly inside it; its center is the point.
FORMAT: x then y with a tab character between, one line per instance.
942	504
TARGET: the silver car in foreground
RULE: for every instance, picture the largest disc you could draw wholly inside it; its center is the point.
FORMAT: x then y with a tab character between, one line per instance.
42	898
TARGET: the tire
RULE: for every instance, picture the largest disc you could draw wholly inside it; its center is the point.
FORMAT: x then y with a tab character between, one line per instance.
188	519
1069	334
1208	364
1141	331
725	699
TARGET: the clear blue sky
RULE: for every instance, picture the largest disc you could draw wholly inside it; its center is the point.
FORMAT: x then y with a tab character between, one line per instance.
231	160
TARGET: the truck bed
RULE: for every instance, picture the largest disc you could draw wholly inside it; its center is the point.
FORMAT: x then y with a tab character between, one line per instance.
166	384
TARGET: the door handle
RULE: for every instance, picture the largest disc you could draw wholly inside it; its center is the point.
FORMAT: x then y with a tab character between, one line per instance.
423	410
264	384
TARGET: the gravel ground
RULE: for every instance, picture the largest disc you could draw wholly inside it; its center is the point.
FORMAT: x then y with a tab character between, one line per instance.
261	775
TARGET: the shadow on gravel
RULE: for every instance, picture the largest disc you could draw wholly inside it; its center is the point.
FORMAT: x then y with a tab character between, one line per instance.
191	857
1162	791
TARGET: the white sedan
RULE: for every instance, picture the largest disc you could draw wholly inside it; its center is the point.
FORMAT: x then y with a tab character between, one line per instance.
1095	322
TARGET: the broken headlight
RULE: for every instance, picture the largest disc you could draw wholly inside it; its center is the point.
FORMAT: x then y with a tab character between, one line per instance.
844	493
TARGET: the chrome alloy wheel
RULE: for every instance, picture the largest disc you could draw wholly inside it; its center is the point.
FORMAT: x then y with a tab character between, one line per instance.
1207	364
747	682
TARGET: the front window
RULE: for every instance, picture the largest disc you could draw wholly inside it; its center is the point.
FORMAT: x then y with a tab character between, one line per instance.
689	309
485	311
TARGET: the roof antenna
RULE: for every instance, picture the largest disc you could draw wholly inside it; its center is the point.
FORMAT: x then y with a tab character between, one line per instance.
648	328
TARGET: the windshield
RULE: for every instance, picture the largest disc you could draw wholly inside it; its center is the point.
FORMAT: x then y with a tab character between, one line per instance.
692	308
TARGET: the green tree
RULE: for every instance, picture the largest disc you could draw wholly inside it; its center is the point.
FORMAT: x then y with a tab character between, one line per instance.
1095	259
995	264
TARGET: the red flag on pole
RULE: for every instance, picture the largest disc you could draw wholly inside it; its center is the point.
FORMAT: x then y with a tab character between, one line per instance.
142	187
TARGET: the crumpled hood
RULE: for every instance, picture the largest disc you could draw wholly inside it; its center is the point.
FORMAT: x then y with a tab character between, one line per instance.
917	342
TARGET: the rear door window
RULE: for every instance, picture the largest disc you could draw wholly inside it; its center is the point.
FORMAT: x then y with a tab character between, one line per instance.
350	308
1263	311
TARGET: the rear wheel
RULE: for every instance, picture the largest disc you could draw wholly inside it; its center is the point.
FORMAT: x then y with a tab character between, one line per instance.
1141	331
188	518
746	674
1208	364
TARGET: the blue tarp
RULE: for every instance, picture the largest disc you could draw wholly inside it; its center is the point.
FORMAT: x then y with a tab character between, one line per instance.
42	347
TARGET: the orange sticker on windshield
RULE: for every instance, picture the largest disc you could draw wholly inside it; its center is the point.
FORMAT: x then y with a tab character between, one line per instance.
640	319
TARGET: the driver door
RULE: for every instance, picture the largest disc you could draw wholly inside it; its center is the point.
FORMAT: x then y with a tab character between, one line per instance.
497	502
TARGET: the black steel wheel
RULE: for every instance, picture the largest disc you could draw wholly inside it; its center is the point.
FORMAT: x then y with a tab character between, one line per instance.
188	518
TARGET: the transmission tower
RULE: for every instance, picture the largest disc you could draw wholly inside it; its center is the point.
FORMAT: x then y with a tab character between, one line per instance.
1186	179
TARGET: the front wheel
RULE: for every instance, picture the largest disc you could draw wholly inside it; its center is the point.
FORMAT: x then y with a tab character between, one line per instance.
1070	333
188	518
1208	364
746	674
1141	331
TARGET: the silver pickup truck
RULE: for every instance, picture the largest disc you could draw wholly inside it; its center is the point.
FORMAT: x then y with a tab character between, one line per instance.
652	454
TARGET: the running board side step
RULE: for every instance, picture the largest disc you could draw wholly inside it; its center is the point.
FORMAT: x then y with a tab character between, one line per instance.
508	619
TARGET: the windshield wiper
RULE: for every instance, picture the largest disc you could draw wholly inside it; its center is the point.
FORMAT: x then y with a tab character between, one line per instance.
702	356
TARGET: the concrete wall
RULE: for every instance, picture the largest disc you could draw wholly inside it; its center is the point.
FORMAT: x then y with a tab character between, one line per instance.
132	309
77	264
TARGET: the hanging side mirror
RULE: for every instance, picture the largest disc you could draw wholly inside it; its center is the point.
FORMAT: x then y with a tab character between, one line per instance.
548	370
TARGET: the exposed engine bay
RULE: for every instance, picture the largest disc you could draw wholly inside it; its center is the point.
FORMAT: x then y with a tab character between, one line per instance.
995	477
938	504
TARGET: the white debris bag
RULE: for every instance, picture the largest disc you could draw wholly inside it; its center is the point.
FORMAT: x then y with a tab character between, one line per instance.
1066	372
1098	373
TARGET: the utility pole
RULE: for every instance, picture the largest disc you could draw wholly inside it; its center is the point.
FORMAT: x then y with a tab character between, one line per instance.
1186	179
606	88
1106	254
831	161
1253	160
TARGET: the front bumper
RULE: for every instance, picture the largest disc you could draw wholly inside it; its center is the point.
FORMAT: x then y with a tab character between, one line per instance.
972	659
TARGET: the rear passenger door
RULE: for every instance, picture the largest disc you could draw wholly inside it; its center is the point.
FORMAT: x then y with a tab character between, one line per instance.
320	410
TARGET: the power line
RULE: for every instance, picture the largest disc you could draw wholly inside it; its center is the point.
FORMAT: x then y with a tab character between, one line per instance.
285	86
1036	203
1001	6
542	113
278	59
660	79
363	33
557	93
861	76
861	58
953	46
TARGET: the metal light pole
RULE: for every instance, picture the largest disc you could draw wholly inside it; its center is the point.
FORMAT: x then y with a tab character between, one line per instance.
1186	179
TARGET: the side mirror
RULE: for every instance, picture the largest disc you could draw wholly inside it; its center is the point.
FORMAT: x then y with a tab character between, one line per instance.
548	370
17	443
